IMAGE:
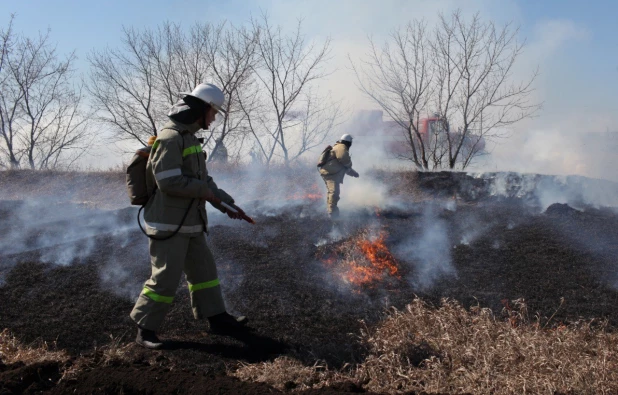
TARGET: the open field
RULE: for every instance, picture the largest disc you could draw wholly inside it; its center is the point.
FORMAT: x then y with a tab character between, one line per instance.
436	283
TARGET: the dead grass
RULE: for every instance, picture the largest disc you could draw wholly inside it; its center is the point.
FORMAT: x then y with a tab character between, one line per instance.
114	353
13	351
285	373
454	350
117	351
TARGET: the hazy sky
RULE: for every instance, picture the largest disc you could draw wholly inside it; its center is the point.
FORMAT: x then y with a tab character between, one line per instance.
574	44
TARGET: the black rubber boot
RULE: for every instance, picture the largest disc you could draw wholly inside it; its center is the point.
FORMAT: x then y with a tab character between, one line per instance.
147	338
225	323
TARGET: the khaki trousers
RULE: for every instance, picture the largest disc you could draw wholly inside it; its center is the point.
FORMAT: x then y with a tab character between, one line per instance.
332	196
169	259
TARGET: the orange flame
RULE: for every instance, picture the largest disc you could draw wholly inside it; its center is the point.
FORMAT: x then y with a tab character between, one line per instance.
313	194
329	261
379	263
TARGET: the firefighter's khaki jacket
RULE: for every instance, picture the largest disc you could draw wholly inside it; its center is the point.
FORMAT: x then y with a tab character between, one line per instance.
176	173
339	163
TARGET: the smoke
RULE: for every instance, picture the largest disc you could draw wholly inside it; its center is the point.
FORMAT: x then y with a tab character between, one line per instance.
369	153
124	275
298	189
270	191
363	192
62	234
429	253
232	277
334	235
561	148
543	191
66	254
37	224
62	231
472	229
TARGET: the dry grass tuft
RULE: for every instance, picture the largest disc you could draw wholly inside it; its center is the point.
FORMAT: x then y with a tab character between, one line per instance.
285	373
114	353
451	349
12	351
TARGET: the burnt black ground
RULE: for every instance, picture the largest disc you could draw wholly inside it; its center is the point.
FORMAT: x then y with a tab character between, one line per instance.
502	247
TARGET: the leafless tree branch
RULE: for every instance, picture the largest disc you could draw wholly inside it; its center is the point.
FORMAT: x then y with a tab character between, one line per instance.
460	75
43	123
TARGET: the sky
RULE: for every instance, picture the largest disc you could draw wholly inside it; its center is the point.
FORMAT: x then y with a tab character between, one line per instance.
573	43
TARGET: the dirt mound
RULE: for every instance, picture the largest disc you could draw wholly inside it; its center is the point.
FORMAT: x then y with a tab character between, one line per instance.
559	209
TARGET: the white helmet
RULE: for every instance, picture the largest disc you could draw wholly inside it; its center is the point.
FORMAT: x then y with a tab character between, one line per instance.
346	137
209	94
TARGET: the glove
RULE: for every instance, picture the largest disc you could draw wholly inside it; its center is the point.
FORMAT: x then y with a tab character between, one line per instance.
353	173
233	215
239	209
226	197
237	215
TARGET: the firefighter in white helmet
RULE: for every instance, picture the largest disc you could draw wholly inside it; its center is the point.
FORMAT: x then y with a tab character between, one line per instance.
334	164
177	175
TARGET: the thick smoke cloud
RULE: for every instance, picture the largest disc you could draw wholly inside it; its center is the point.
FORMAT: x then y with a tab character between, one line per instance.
590	152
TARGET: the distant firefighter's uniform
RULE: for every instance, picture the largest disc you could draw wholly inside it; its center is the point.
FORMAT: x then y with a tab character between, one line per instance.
333	171
177	175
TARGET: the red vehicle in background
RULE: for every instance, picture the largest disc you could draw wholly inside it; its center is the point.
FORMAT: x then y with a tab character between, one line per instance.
392	136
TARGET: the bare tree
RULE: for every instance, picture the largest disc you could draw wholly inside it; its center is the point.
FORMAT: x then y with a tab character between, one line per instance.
134	86
232	55
10	96
476	88
451	91
181	60
287	67
399	78
316	119
43	124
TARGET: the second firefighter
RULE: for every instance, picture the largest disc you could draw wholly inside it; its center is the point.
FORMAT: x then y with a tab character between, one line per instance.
336	163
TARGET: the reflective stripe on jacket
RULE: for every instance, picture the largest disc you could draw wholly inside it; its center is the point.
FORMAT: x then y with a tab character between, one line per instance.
177	174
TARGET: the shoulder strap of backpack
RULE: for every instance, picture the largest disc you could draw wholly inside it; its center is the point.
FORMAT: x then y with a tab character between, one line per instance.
139	212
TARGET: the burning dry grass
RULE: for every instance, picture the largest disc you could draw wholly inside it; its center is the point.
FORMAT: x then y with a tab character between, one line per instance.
13	351
454	350
363	260
312	193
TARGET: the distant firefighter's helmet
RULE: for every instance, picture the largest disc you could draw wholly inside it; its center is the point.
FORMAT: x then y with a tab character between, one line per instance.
346	137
